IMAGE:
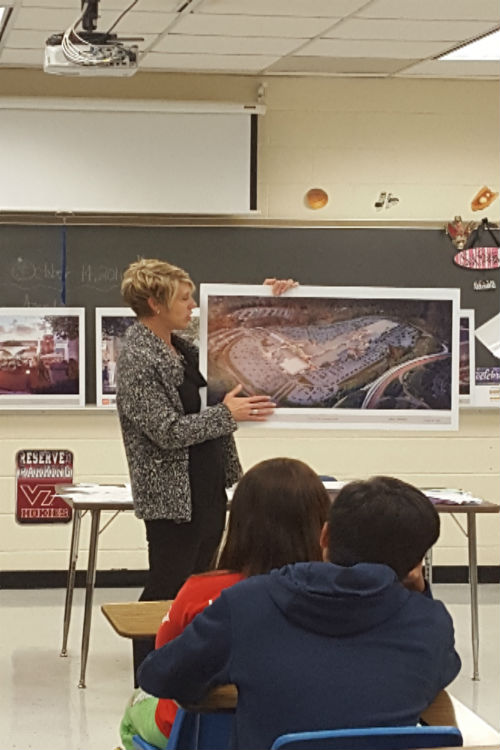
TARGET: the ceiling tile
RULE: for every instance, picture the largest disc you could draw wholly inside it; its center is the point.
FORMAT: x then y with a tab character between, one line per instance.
164	6
334	66
59	19
212	63
23	57
298	28
474	10
307	8
220	45
26	39
138	23
361	28
454	69
372	48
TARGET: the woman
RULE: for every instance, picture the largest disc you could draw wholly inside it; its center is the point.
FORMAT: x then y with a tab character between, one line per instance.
180	459
277	513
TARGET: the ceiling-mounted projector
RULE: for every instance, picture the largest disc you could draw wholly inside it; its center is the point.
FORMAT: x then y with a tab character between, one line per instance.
92	54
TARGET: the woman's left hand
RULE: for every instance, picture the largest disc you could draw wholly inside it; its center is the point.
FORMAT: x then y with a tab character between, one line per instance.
280	286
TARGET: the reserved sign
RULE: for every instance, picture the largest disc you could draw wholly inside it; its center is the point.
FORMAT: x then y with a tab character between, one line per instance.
37	473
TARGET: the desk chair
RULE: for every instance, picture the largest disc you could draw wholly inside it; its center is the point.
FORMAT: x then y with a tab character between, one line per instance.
140	744
194	731
374	738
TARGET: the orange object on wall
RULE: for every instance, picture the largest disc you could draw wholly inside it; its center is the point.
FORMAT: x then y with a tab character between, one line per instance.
483	199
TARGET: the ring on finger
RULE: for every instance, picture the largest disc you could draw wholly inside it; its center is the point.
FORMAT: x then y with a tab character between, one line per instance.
254	411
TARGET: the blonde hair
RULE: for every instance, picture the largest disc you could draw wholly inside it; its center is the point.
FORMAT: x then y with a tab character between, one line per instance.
149	277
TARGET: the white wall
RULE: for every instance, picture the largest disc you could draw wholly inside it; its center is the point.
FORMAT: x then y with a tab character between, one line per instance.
431	143
468	460
434	144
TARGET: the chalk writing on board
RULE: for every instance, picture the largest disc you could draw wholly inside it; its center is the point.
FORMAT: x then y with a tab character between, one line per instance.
24	272
100	276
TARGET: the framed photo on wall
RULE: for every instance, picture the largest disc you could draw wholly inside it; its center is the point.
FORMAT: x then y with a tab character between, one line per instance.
336	357
42	357
467	367
111	324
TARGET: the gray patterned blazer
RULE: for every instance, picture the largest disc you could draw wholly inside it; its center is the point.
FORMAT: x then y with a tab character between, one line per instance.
156	432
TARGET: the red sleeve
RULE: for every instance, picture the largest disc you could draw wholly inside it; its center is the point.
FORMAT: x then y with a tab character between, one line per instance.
197	593
174	621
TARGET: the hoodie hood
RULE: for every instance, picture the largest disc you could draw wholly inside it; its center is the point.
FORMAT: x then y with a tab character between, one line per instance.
335	600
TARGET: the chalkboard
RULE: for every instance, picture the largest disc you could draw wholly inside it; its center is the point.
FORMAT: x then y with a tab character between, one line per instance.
95	256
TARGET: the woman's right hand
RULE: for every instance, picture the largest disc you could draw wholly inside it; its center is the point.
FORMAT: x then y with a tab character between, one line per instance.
248	408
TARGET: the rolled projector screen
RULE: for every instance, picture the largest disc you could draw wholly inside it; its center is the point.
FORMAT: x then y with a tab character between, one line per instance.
90	156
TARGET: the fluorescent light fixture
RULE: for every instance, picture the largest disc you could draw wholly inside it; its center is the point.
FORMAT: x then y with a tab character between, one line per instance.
5	12
485	48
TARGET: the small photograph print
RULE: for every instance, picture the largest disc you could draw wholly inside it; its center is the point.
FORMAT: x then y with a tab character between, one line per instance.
466	366
41	357
379	356
111	325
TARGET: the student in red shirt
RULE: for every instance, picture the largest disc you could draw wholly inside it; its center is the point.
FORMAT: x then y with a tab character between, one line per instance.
277	512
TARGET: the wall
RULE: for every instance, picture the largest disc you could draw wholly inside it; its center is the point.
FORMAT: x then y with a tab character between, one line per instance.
468	460
432	143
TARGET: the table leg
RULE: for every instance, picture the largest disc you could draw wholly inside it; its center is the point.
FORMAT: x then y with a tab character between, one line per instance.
472	540
89	593
70	584
428	566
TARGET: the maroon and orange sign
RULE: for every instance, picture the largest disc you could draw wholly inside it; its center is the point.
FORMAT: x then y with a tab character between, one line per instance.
37	473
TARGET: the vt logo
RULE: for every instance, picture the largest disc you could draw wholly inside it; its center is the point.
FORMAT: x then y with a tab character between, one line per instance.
37	494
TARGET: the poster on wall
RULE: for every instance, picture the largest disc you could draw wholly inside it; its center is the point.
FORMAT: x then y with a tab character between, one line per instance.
467	357
487	391
111	324
42	357
38	471
336	357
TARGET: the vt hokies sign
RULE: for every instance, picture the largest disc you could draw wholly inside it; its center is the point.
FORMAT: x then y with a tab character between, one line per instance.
37	473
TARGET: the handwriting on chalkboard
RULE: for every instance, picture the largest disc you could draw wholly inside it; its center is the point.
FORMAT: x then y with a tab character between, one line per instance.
24	272
100	276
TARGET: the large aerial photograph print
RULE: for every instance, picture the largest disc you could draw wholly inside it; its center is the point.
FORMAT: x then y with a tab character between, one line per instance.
361	356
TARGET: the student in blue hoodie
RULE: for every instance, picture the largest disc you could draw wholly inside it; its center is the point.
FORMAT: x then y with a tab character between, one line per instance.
356	641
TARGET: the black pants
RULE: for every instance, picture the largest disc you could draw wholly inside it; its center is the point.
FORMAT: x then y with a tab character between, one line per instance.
176	551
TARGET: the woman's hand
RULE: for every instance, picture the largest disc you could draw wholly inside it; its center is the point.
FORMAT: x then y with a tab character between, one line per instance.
280	286
248	408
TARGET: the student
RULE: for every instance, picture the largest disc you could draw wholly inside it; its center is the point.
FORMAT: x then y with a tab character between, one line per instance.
277	512
354	642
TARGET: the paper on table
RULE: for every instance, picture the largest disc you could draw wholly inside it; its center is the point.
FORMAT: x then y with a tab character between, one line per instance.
452	497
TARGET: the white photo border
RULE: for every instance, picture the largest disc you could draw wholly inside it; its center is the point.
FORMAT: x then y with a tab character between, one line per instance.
108	400
359	419
50	400
469	398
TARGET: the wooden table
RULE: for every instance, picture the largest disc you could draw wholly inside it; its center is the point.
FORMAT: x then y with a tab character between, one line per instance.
85	499
444	711
136	619
97	502
471	511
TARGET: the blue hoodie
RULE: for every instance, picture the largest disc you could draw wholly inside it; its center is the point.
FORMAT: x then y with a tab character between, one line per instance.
312	646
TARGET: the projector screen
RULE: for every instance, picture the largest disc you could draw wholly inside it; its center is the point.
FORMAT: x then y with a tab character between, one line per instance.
125	156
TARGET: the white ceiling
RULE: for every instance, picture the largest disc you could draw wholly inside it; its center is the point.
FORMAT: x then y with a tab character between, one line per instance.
382	38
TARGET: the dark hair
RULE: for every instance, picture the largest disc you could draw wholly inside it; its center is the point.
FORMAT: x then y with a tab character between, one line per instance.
381	520
277	512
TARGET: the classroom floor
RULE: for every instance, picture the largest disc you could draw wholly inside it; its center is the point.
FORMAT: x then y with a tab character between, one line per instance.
41	707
